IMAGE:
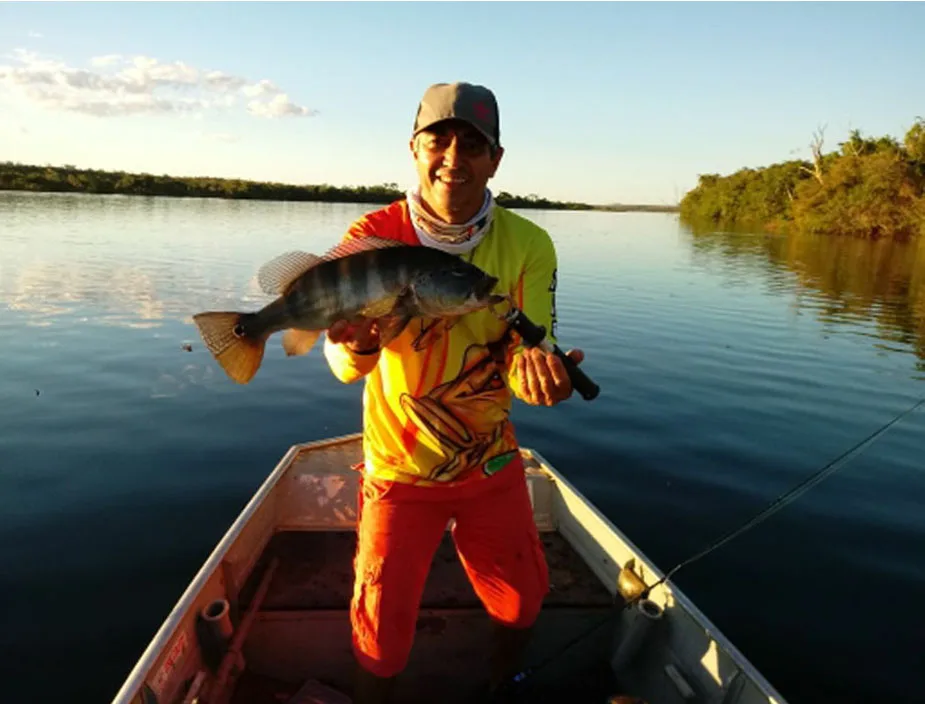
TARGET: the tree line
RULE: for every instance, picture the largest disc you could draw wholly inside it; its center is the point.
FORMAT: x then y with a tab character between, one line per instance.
69	178
869	187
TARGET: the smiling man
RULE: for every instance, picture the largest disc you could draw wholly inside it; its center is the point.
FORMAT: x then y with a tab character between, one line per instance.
438	442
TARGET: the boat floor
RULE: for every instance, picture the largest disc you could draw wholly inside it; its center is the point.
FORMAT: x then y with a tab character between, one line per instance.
316	572
595	686
304	618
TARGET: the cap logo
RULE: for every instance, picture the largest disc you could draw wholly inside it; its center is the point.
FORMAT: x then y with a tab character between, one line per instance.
481	111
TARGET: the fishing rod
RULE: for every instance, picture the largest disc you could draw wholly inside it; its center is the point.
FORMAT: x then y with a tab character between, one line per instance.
631	588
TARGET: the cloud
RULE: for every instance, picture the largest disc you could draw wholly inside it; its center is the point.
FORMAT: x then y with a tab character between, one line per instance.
263	87
223	82
126	106
35	35
280	106
144	74
115	85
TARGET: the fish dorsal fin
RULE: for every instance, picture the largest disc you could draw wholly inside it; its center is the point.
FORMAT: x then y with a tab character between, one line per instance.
276	276
355	245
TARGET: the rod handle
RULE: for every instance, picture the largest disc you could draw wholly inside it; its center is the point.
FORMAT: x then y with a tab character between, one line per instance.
535	335
581	382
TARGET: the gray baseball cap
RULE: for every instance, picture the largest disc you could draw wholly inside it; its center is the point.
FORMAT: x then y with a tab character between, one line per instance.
460	101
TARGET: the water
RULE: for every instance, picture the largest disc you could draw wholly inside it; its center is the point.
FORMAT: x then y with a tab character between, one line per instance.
732	366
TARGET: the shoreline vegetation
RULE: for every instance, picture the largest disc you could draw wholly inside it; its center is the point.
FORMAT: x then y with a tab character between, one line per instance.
872	188
70	179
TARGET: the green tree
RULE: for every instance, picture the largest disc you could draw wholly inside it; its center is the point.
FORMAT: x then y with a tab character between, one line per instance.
867	188
915	141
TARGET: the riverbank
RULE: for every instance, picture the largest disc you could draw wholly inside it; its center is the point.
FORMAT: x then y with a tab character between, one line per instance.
871	188
70	179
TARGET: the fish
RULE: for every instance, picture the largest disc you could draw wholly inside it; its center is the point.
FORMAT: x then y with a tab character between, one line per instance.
360	278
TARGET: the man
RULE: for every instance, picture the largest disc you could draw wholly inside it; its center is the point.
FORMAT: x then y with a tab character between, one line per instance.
438	443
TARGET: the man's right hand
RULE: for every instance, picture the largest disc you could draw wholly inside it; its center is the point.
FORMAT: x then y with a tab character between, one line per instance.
359	337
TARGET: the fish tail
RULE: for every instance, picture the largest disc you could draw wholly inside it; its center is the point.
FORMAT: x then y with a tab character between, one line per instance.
238	353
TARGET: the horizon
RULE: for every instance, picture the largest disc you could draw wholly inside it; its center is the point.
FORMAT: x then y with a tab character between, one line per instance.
600	104
204	177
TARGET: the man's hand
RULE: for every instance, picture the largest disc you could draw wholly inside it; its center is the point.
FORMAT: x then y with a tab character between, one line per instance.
543	379
359	337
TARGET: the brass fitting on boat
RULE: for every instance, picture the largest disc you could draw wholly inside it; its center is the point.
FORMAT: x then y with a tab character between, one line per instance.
629	584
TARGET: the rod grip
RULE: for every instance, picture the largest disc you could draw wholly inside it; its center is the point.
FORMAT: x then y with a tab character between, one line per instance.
534	335
581	382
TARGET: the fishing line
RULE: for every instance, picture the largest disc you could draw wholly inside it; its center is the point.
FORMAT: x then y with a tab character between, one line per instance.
794	493
772	508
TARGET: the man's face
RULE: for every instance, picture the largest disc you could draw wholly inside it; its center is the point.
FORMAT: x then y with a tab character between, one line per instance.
454	163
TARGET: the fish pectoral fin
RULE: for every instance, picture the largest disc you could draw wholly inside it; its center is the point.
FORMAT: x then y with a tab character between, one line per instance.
379	308
395	318
391	327
353	245
298	342
276	276
398	304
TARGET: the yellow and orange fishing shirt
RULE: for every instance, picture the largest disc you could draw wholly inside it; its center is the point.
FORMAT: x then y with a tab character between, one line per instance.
437	398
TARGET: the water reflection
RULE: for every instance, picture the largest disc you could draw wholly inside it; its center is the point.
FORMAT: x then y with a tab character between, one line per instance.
869	288
109	292
143	262
122	295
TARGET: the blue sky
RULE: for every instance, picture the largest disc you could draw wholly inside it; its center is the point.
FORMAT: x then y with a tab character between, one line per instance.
599	102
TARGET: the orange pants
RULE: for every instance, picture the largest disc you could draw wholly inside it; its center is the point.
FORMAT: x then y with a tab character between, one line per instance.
400	527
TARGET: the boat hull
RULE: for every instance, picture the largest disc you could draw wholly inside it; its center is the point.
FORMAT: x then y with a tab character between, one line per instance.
300	631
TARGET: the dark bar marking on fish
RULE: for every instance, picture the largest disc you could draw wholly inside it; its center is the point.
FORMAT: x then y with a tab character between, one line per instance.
322	289
342	283
372	276
393	274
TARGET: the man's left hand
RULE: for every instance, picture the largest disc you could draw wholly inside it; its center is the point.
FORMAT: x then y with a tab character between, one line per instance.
543	379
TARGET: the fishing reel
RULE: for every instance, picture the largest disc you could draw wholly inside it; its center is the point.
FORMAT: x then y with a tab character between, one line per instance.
534	335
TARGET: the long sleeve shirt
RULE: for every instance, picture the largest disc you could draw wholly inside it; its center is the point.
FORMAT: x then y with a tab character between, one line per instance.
437	398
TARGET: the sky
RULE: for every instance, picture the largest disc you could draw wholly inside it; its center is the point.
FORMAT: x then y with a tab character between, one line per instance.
599	102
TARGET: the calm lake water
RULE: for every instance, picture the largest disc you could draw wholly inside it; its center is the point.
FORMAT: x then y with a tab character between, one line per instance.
731	366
